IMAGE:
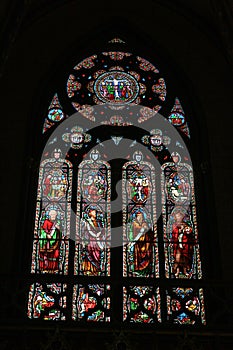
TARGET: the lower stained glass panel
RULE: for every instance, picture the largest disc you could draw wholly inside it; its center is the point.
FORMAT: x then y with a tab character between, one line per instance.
141	304
91	303
47	301
185	306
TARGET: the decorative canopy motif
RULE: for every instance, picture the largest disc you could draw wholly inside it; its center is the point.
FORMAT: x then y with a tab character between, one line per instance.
76	137
116	87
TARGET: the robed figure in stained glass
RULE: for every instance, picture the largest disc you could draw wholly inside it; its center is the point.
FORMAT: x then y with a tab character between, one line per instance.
182	241
142	236
93	233
49	243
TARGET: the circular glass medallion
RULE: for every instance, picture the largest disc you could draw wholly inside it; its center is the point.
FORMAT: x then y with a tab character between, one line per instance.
55	114
176	119
116	87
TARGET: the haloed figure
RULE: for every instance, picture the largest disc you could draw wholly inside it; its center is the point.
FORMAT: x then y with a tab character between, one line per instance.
93	233
141	234
182	240
49	243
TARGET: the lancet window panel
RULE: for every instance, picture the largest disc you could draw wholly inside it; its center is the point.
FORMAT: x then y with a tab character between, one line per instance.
52	221
181	242
93	227
140	253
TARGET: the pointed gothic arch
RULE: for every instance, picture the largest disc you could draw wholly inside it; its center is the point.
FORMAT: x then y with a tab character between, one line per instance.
115	79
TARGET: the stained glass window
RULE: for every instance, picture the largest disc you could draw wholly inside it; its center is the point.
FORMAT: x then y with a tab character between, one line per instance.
55	114
91	303
141	304
52	223
47	301
139	219
94	217
181	245
185	306
111	97
177	117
